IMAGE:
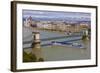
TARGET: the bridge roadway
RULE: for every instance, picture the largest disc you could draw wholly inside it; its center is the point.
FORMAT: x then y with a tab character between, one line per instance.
48	44
53	38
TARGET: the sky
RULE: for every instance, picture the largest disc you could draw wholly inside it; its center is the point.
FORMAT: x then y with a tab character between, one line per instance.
56	15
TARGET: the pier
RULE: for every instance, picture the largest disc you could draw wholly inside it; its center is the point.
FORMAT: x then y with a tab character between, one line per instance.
36	47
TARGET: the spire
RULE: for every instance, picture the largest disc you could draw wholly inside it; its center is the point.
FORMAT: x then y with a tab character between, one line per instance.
30	18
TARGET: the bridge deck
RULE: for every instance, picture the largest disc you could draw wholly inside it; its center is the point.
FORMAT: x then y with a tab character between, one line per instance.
53	38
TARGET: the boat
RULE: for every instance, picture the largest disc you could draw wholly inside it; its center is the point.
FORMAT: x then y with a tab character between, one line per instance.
69	44
78	45
55	43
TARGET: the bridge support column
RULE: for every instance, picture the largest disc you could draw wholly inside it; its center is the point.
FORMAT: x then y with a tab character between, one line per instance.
36	48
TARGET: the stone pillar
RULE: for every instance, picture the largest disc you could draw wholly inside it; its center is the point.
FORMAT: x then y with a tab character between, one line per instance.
36	39
36	48
85	33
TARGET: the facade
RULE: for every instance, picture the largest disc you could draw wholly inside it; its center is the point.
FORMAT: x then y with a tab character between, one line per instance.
28	21
57	25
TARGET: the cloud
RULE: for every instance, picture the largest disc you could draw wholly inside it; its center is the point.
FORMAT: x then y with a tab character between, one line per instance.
56	14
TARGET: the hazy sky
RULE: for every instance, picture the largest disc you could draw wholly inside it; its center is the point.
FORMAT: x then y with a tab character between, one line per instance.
56	15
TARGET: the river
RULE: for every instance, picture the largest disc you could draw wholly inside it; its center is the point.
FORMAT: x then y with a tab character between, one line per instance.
58	53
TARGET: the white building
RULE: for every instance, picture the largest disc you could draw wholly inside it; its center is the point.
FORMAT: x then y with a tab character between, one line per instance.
28	21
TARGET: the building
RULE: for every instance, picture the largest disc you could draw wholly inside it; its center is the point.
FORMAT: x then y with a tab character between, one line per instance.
62	26
28	21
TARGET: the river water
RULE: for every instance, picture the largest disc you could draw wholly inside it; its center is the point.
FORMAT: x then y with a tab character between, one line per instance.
58	53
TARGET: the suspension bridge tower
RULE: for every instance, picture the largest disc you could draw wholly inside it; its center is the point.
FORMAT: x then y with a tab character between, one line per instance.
36	48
